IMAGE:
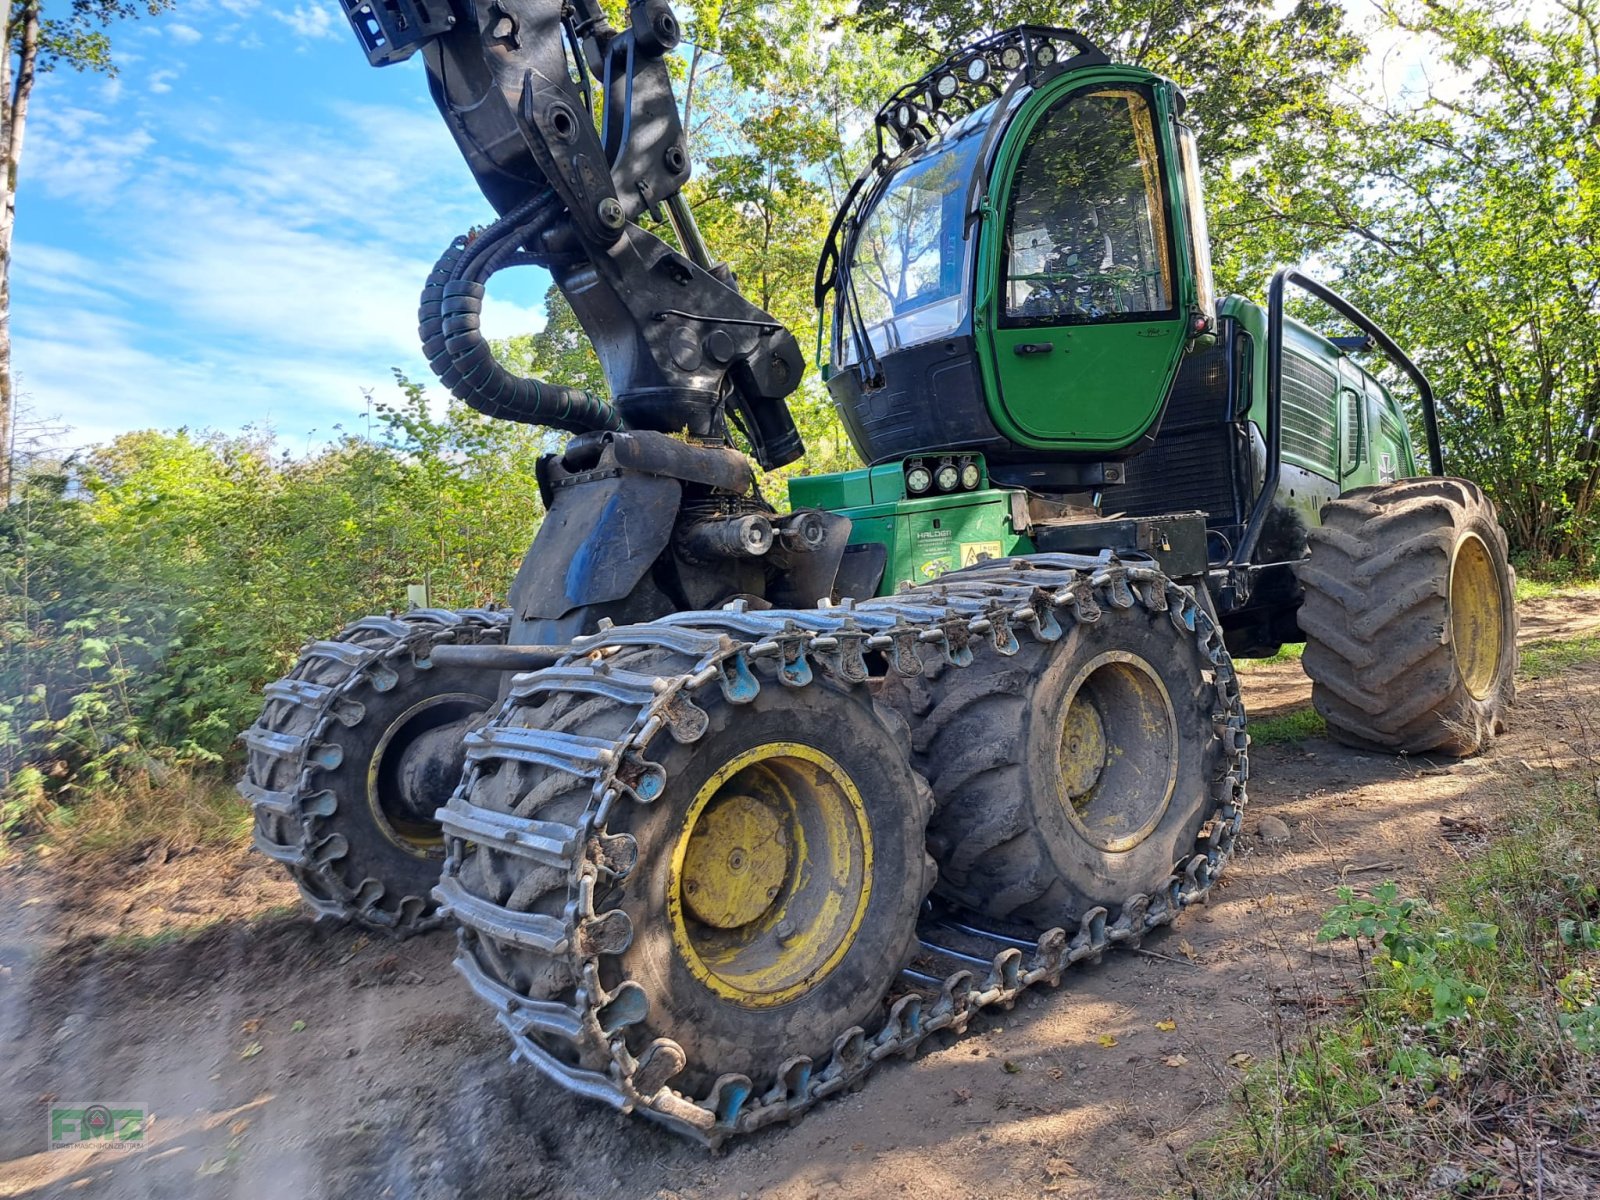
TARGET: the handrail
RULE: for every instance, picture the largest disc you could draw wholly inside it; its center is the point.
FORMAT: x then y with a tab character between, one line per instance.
1391	350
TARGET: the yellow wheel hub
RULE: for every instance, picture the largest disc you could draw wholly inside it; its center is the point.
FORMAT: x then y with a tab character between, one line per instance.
771	874
1118	757
1083	749
1477	627
737	858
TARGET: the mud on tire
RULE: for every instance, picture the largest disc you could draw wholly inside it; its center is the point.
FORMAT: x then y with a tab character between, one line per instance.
1410	618
326	754
701	964
1076	774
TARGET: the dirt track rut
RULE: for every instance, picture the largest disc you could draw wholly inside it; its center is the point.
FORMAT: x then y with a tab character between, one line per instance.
285	1061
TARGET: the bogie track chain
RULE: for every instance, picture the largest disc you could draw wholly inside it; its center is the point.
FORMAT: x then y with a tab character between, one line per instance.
295	740
989	605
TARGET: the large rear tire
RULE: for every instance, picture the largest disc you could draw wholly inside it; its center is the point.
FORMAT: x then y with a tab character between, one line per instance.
775	892
1410	618
354	751
1074	775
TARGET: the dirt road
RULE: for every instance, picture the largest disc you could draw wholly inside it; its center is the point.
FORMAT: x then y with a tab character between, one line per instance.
286	1061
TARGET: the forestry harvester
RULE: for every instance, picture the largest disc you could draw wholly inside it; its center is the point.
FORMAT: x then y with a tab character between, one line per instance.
731	804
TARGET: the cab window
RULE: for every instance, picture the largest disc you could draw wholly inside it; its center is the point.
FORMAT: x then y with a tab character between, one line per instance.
1086	230
908	268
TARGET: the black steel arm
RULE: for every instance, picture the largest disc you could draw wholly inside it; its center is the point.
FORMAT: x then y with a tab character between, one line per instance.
518	82
1369	327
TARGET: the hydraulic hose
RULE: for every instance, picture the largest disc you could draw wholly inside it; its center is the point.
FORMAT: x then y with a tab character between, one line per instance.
449	323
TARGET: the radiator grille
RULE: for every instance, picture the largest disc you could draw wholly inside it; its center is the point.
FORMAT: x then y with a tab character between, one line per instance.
1191	465
1310	429
1182	472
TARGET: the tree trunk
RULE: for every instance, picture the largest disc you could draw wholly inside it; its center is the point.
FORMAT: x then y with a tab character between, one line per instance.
21	25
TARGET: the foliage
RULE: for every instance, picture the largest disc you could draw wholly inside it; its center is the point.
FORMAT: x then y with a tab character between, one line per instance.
1468	221
1421	960
1475	1034
79	37
1291	727
148	589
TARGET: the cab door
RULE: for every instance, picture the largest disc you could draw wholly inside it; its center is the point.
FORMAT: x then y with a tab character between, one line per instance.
1089	313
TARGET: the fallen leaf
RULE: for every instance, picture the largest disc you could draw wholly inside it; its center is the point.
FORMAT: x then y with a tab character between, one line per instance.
1106	1040
1010	1067
1055	1167
239	1126
297	1027
1053	1072
1166	1026
1185	949
215	1167
1241	1059
1175	1060
250	1051
251	1026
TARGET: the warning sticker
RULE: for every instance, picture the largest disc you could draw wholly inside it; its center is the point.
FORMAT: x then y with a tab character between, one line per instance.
973	553
935	567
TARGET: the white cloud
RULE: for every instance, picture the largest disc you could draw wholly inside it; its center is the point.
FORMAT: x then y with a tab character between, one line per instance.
93	373
55	272
252	269
184	35
310	21
74	154
161	81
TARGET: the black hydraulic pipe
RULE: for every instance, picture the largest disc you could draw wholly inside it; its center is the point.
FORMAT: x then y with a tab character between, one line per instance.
1391	350
449	326
498	658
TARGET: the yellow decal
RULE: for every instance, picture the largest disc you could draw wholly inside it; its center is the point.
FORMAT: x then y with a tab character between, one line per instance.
973	553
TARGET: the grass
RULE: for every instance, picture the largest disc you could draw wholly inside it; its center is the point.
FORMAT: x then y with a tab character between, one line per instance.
1294	726
1287	653
1529	588
1542	659
1471	1062
177	807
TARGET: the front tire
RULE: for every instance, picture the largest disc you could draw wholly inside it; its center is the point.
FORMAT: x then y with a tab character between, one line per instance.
1075	774
1410	618
354	751
778	877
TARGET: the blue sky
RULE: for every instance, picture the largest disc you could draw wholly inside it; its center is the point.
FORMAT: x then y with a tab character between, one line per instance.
235	229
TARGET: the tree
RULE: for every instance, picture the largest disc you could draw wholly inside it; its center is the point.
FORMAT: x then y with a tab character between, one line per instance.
1261	80
1469	224
560	352
37	42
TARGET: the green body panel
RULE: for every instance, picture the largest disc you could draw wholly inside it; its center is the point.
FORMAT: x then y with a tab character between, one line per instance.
849	490
1102	384
924	537
1370	441
1098	390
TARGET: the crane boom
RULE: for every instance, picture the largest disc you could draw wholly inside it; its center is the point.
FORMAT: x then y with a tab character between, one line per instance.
571	129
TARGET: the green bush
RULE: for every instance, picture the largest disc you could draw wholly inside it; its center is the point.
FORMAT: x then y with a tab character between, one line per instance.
149	587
